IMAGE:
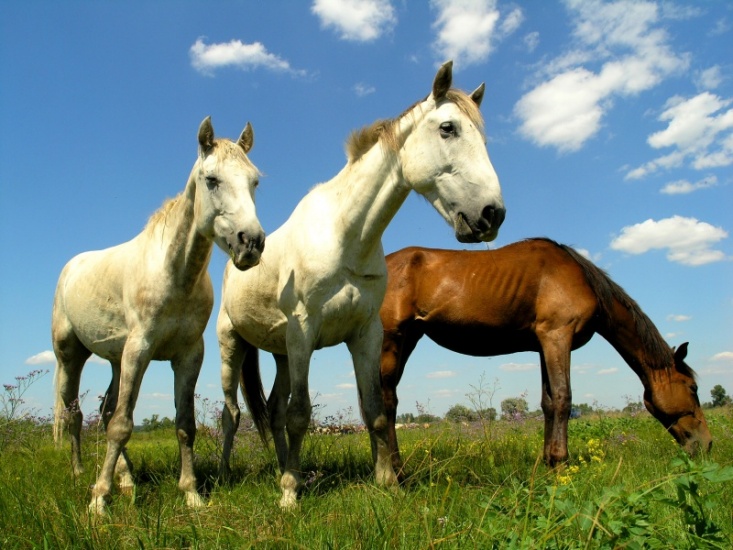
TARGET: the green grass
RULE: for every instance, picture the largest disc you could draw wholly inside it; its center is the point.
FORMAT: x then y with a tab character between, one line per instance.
468	486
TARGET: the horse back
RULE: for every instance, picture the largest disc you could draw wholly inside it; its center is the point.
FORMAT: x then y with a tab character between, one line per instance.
488	302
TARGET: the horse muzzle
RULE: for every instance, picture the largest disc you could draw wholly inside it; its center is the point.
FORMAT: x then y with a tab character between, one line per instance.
692	435
247	251
482	229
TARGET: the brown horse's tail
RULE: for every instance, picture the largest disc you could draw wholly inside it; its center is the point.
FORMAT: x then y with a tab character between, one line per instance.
254	394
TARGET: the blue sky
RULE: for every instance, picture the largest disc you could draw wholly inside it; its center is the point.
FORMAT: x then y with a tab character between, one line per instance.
610	125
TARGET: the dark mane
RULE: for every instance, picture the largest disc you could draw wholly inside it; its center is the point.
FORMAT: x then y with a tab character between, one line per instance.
384	130
658	352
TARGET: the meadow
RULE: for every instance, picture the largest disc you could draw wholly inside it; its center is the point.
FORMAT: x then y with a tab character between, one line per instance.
468	485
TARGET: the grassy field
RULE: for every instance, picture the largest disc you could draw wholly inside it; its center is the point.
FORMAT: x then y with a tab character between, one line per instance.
469	486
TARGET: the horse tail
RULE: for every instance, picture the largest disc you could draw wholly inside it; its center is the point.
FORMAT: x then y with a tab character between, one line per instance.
254	394
58	410
609	293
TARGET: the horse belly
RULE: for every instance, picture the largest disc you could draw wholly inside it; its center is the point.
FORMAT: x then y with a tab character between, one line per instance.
480	341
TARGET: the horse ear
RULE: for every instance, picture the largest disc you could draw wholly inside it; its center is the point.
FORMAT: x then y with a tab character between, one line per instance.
478	94
680	353
247	139
206	134
443	80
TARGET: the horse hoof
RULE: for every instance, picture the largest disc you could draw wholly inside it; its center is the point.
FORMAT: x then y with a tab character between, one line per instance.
98	507
289	501
194	500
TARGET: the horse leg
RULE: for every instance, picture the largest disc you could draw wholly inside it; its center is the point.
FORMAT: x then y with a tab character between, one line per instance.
232	349
186	370
397	346
123	468
556	397
70	358
135	360
298	413
365	351
277	406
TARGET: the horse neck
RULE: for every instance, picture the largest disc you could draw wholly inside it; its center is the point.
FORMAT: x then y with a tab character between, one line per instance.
187	252
620	330
372	189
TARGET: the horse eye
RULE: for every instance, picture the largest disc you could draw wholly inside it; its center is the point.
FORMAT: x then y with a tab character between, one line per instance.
447	129
212	181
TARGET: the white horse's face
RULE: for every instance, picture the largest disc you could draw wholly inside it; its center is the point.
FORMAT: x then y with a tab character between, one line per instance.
225	190
445	160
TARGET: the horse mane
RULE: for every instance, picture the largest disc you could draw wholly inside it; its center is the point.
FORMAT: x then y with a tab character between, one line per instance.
385	130
162	212
658	352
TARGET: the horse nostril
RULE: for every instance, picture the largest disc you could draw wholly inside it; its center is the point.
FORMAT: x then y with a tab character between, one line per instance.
256	242
494	215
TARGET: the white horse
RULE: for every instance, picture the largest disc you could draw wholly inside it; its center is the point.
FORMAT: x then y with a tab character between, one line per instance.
323	275
150	299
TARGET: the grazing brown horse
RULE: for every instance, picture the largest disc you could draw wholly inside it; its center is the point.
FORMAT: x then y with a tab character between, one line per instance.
534	295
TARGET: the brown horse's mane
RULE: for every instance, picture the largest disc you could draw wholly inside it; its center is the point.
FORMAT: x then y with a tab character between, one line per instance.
384	130
658	352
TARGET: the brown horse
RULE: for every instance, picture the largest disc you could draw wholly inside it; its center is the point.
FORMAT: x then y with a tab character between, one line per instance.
534	295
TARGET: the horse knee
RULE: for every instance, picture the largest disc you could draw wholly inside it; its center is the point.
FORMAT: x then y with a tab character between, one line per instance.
119	429
389	397
298	417
230	419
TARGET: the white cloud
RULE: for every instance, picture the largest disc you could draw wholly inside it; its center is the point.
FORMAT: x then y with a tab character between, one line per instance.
356	20
532	40
205	58
710	78
563	112
41	358
467	30
678	318
48	356
160	396
699	128
519	367
441	374
566	109
721	27
687	240
682	187
346	386
604	372
362	90
726	356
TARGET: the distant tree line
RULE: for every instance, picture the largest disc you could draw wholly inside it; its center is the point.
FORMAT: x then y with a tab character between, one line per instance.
511	409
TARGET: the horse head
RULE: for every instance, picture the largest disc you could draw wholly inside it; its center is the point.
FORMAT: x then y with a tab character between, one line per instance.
671	398
225	186
444	158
